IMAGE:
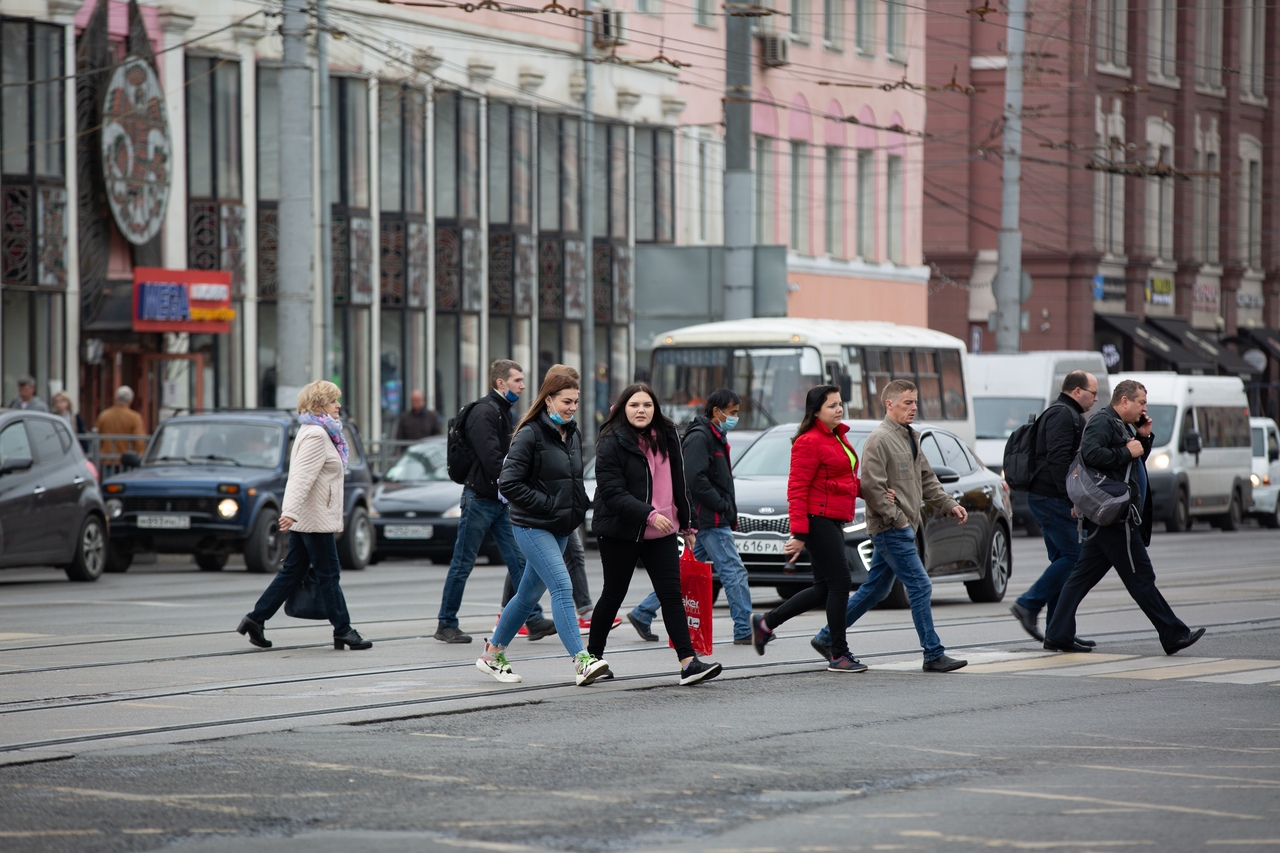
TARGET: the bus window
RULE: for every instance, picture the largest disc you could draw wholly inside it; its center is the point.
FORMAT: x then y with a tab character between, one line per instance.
953	399
855	395
774	383
682	378
928	383
878	376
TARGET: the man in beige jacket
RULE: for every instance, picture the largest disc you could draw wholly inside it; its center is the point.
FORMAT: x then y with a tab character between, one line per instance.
892	463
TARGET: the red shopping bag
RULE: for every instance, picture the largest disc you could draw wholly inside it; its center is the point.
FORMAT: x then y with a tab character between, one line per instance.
695	589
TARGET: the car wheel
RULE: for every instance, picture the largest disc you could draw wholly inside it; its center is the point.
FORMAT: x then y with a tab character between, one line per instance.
786	590
90	558
356	544
119	558
993	585
1233	517
1272	519
264	552
1180	521
211	561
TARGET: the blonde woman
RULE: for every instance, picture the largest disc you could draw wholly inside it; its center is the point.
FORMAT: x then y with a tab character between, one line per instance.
312	516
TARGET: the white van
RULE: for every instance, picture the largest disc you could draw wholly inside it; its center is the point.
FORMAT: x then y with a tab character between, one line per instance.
1266	472
1202	458
1008	389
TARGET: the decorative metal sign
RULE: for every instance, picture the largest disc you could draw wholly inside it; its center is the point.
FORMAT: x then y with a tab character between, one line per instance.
136	150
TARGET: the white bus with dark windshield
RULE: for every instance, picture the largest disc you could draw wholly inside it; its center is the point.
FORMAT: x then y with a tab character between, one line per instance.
772	362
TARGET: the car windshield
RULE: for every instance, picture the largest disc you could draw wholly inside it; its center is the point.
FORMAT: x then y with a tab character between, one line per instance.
1161	424
770	455
421	463
998	417
217	443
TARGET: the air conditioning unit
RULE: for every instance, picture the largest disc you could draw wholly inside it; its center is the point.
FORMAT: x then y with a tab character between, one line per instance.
609	27
775	49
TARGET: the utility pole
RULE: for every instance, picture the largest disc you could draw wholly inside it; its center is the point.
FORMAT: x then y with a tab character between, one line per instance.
328	369
587	393
1008	282
739	183
297	233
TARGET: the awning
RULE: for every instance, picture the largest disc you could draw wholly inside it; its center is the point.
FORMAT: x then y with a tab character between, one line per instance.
1203	345
1268	340
1155	343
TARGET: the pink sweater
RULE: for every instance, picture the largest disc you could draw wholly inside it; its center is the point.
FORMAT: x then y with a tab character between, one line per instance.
663	497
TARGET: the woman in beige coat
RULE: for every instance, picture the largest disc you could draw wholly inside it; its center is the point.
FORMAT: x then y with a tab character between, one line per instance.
312	515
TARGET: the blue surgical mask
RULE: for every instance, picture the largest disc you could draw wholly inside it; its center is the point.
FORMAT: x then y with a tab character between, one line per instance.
511	396
558	419
730	421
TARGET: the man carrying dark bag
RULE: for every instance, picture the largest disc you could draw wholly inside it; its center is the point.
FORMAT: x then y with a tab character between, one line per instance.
1111	447
1058	432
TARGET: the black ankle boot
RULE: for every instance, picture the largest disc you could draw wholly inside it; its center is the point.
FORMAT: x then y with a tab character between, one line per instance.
255	632
351	640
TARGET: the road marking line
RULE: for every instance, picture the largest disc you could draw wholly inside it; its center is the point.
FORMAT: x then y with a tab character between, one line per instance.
1262	676
1126	666
1264	782
48	833
1016	844
1190	669
1048	660
22	636
1111	803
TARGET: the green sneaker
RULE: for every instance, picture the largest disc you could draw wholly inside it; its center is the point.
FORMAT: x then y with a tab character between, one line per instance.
588	668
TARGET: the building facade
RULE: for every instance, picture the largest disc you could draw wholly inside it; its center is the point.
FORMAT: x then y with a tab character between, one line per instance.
1149	159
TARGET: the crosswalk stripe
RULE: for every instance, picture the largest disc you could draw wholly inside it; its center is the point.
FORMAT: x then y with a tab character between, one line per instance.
1044	661
1191	669
1257	676
1126	666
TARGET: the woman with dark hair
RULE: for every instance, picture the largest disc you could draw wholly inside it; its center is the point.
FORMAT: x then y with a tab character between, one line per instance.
542	481
641	505
821	491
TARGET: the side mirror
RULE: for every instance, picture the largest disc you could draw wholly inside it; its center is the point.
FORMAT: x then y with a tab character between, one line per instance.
17	463
946	475
130	459
1191	442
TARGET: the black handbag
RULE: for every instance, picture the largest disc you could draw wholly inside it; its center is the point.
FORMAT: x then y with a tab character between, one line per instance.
305	602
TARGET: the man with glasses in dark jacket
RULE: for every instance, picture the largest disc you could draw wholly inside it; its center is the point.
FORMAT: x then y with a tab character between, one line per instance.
1058	434
1113	447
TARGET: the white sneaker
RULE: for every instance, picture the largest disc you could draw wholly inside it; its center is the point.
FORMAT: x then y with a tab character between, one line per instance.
588	668
495	664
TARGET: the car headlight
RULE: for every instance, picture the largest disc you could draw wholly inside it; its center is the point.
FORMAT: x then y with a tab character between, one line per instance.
1161	461
115	508
373	512
452	512
1256	480
227	508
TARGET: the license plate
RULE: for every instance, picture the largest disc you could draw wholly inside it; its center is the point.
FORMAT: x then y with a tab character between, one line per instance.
165	522
409	531
761	546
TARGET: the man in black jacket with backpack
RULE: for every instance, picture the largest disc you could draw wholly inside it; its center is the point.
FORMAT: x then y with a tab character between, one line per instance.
1112	447
1057	438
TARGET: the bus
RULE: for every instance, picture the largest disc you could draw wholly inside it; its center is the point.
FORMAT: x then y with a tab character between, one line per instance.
772	362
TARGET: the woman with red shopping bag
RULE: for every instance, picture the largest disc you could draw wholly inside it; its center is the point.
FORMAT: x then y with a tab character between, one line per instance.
641	505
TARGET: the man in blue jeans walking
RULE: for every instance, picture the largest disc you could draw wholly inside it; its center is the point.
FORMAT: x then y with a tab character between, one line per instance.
488	431
1058	432
896	477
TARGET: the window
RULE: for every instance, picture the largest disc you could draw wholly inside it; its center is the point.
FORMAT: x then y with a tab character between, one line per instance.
702	13
549	188
1159	206
1207	194
14	443
349	124
213	128
655	185
894	209
800	209
895	34
704	192
1109	187
800	21
1162	34
866	204
1113	34
764	190
833	198
1253	42
1251	202
401	166
647	7
953	455
268	133
31	116
1209	44
1212	209
833	24
865	13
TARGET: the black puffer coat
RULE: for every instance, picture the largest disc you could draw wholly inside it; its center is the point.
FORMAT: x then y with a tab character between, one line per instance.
1057	440
1103	448
542	478
624	486
709	473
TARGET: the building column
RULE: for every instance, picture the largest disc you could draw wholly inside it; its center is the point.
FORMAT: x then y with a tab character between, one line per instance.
173	27
63	12
246	38
374	416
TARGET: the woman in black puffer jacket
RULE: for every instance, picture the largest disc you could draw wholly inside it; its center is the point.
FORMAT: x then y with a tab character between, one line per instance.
641	505
542	481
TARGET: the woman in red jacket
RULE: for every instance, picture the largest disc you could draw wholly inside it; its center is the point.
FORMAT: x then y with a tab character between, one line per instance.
821	491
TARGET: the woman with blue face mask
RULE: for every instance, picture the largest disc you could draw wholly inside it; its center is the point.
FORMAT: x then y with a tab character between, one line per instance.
542	481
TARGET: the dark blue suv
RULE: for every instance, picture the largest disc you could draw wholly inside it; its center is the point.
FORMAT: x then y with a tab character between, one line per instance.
212	484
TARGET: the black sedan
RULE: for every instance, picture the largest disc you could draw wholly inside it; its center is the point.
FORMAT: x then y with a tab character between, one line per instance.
976	553
51	511
416	507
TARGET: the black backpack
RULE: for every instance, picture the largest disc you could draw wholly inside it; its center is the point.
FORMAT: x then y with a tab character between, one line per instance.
1020	454
460	456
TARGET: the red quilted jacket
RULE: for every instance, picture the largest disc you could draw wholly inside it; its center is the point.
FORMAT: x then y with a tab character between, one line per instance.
822	482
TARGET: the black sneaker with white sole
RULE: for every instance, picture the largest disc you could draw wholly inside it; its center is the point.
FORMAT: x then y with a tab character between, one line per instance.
698	671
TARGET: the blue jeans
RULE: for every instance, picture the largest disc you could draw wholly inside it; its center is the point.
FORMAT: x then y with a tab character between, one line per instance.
479	516
1061	539
545	554
714	546
308	552
895	554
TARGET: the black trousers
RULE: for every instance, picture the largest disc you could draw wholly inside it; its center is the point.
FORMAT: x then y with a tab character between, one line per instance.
661	558
831	583
1105	550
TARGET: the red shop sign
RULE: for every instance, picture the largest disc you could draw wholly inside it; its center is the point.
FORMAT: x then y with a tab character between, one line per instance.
182	301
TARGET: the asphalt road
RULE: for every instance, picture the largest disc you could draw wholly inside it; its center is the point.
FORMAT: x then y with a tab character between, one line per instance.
132	717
